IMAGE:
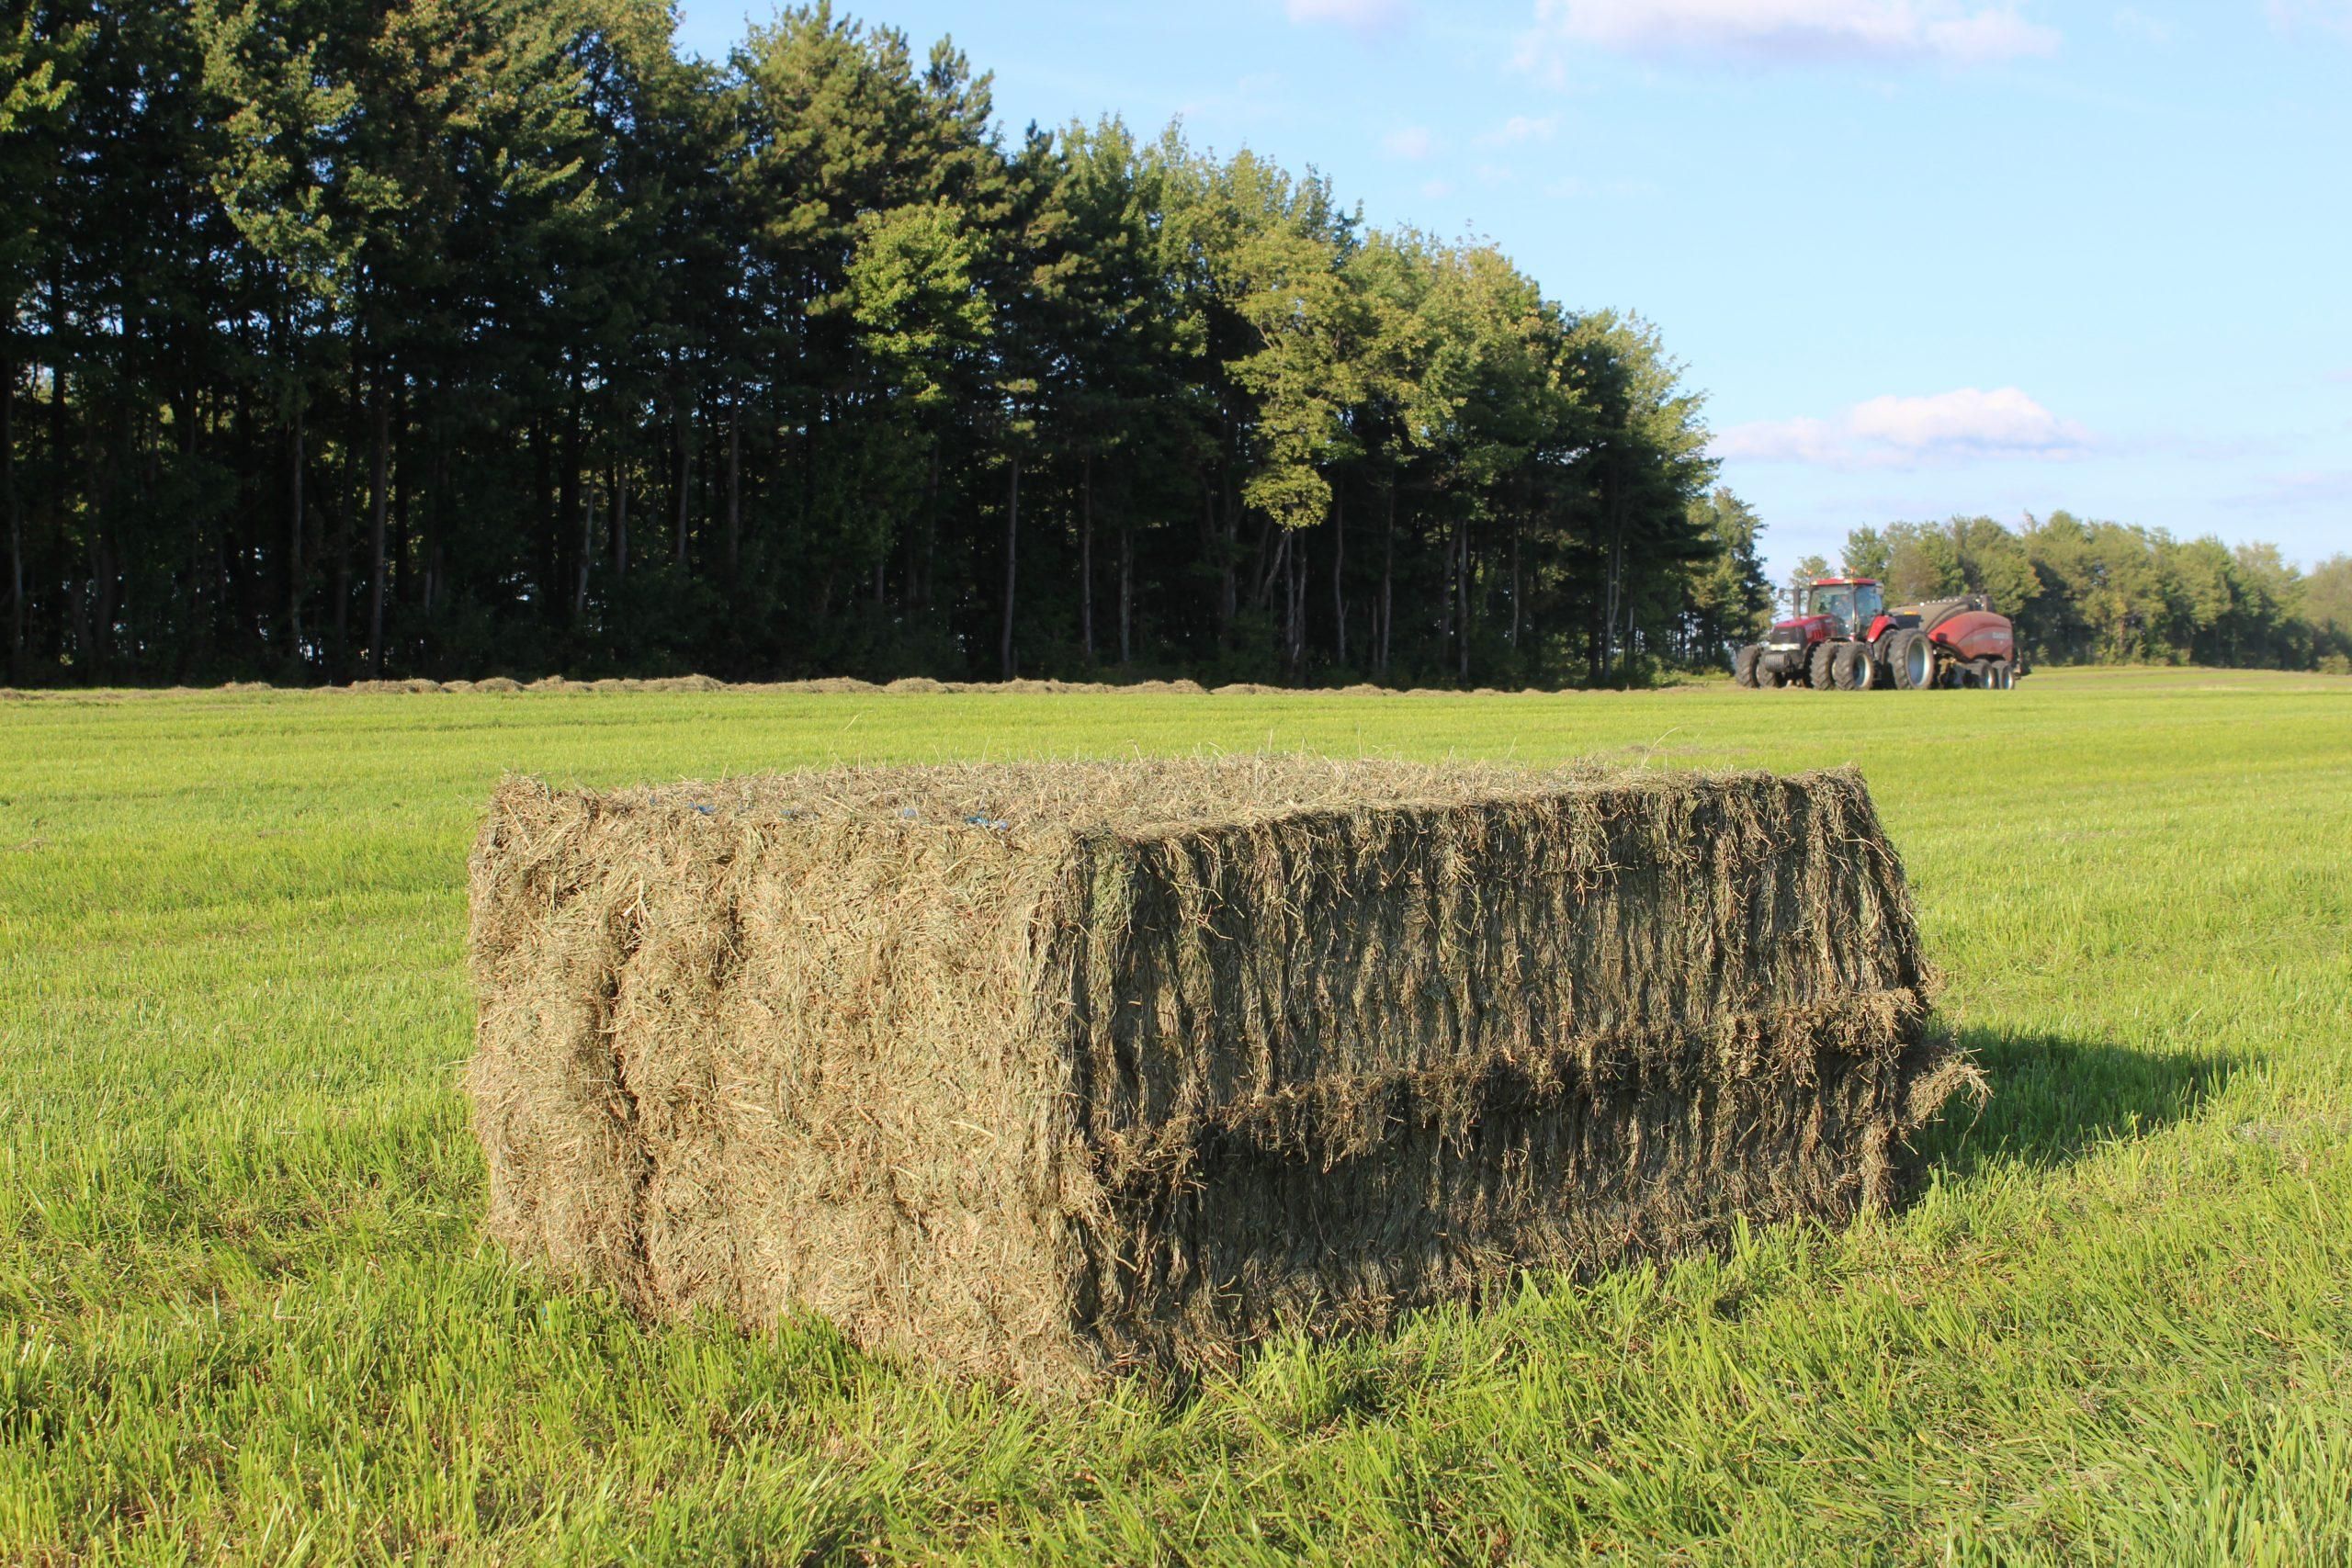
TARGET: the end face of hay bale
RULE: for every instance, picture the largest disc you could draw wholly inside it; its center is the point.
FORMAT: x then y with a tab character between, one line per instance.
1049	1071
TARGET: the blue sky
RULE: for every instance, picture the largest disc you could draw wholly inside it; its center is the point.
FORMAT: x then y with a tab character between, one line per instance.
1925	256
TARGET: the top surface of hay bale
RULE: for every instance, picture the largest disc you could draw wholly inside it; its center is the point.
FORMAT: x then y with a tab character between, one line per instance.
1032	801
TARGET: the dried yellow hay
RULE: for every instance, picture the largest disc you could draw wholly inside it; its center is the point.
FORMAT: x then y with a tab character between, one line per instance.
1048	1071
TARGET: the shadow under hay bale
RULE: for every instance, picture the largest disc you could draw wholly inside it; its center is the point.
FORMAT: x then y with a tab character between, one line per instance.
1049	1071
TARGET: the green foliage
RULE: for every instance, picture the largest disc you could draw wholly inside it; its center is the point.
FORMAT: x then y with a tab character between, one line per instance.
2103	593
249	1318
1729	598
439	335
1807	569
2327	598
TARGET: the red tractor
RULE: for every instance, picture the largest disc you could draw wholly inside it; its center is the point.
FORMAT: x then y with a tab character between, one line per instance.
1844	636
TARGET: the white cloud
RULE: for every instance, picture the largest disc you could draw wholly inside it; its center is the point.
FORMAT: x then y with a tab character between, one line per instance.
2138	23
1521	127
2329	16
1412	141
1785	32
1437	190
1892	432
1363	16
2310	487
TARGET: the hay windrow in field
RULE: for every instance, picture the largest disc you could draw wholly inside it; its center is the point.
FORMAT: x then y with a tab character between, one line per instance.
1048	1071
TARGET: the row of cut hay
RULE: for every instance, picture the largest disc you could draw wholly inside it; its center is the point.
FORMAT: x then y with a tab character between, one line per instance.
830	686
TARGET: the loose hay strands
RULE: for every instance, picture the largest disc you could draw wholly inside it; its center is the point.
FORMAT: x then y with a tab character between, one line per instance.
1050	1070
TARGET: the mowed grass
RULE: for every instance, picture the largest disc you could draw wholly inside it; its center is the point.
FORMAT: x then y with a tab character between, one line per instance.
248	1315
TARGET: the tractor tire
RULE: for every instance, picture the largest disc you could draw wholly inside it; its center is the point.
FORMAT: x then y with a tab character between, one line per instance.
1853	671
1821	669
1913	658
1743	665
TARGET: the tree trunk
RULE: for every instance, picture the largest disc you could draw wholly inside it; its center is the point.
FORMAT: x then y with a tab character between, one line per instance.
1387	580
1616	567
918	583
620	519
1515	531
1012	550
734	489
569	498
685	477
340	662
437	518
1301	578
1126	587
1086	558
1462	584
1229	603
398	563
1445	599
587	553
1290	610
376	497
15	519
294	535
1338	590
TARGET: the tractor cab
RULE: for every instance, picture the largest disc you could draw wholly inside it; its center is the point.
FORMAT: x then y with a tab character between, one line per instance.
1833	609
1849	603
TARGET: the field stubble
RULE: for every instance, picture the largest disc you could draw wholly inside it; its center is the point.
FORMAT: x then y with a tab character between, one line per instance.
249	1315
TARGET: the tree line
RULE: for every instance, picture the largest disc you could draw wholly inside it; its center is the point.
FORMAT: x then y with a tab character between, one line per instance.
2094	593
448	337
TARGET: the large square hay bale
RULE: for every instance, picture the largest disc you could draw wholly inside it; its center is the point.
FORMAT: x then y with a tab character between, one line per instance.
1046	1071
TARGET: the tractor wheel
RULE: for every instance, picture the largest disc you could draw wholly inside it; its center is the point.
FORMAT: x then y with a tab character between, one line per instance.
1743	665
1914	660
1853	669
1821	669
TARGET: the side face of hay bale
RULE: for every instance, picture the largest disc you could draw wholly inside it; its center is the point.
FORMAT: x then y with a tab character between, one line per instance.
1338	1065
765	1068
1044	1072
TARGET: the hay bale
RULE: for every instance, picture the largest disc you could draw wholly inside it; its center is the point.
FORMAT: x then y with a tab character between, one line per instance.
1048	1071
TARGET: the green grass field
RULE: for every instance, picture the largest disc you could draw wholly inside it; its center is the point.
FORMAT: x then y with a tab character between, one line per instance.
249	1317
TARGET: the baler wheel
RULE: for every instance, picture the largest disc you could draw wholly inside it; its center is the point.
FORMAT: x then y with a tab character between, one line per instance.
1914	659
